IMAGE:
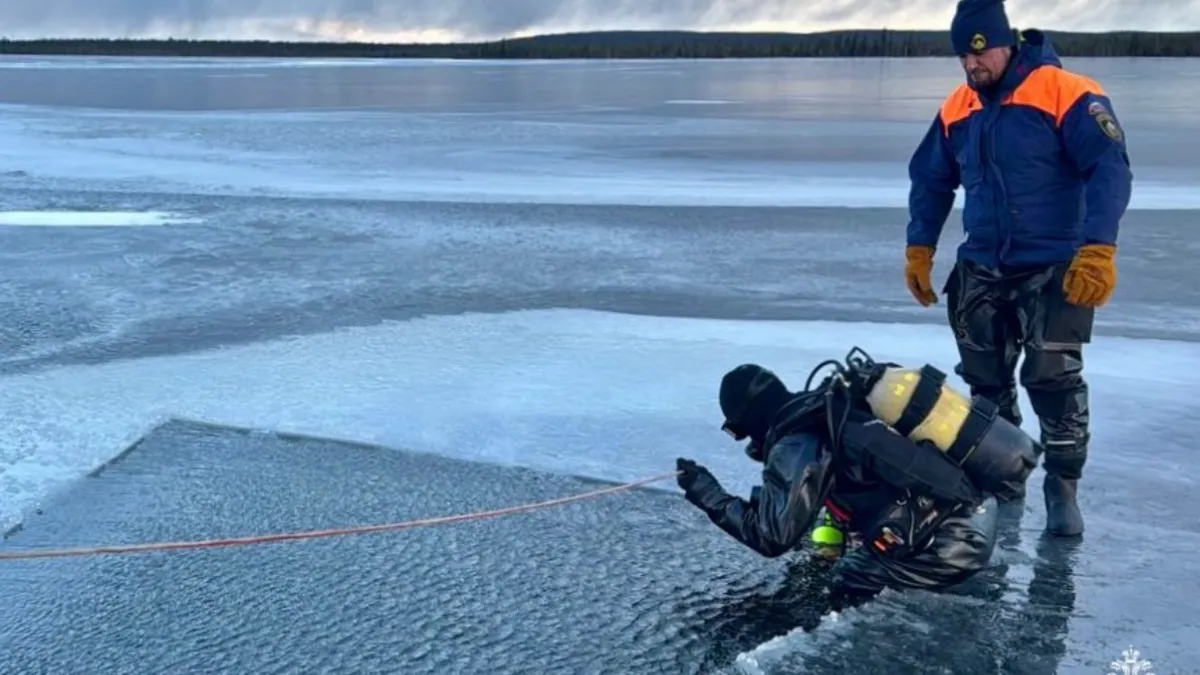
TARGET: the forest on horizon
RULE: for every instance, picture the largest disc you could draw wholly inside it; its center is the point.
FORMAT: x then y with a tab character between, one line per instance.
622	45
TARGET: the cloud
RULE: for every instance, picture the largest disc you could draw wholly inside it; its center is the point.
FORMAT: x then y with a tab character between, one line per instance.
435	20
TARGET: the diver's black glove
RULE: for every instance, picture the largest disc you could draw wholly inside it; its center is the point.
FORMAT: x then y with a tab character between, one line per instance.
690	474
700	487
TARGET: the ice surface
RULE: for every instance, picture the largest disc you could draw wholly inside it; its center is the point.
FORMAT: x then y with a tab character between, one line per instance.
17	61
90	218
586	393
572	391
778	132
449	170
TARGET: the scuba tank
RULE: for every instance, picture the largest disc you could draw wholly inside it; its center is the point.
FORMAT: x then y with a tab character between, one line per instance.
995	454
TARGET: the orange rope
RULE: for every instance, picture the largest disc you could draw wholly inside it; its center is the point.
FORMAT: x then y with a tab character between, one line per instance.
318	534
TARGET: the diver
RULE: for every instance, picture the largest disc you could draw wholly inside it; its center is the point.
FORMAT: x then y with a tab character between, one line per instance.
907	471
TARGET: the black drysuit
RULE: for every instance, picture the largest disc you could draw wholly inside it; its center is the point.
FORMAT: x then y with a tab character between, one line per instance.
997	314
948	529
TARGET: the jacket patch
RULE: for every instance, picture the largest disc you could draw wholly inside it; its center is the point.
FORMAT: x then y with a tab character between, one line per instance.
1105	119
1108	125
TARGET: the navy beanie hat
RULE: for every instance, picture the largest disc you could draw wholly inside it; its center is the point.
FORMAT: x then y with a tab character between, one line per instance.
980	25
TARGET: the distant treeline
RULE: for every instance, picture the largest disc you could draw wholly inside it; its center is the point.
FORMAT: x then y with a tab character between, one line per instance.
624	45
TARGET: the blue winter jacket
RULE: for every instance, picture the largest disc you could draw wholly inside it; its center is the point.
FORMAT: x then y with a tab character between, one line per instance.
1042	161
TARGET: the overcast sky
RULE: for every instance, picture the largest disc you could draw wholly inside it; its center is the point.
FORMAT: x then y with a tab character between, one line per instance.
425	20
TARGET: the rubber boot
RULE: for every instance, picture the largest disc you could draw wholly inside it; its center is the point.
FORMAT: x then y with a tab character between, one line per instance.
1063	518
1063	461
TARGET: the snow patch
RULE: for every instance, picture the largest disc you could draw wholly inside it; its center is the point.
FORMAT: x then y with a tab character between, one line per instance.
91	219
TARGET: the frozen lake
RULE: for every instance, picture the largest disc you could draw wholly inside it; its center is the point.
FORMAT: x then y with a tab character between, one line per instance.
538	265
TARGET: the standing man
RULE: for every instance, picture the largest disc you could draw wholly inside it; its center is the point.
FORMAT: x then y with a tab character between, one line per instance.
1042	159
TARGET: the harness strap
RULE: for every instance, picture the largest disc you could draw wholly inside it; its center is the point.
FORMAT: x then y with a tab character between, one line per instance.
925	396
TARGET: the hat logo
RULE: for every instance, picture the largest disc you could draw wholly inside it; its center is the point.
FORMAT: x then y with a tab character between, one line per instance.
978	42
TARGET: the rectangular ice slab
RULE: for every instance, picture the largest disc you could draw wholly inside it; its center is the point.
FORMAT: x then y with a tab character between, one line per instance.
632	582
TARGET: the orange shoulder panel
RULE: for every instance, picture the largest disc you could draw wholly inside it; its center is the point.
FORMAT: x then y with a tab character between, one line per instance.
958	106
1053	91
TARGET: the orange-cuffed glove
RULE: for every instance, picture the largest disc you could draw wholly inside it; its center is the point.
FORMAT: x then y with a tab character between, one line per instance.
1092	277
918	274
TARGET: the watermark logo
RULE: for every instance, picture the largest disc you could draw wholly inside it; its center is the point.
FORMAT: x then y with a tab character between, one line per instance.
1131	663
